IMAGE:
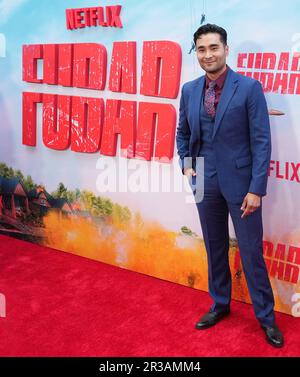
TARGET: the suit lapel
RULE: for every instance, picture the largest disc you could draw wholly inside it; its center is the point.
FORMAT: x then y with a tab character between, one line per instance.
197	103
229	88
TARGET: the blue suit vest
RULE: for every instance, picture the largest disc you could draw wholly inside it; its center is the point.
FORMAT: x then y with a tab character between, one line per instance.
206	149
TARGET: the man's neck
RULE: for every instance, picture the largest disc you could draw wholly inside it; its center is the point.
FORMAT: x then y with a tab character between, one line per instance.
214	75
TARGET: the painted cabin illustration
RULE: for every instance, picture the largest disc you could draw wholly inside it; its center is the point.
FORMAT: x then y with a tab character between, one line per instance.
42	202
14	201
39	200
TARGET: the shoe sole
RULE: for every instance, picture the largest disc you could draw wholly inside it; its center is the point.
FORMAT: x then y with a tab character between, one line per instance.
274	344
205	326
213	324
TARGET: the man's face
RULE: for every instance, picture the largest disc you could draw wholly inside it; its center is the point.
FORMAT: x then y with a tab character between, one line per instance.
211	52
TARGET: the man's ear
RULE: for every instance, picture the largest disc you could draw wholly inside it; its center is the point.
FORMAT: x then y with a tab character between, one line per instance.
227	50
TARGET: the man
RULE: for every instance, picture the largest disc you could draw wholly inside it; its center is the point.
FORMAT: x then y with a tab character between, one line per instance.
224	118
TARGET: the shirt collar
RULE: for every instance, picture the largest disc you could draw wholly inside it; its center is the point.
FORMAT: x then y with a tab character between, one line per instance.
219	81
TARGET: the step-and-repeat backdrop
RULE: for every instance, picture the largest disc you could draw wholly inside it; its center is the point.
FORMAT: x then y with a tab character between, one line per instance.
89	99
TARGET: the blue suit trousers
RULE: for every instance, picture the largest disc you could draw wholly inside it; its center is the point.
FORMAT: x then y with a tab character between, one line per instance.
213	213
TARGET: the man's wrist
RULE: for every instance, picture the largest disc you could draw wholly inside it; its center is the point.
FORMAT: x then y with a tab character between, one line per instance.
254	193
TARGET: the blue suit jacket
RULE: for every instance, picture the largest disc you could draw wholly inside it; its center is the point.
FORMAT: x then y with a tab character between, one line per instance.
241	135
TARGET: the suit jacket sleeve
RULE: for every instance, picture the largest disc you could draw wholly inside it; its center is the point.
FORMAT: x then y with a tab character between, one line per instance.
260	139
183	136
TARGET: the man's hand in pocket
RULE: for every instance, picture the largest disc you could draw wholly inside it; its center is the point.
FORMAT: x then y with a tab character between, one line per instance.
189	172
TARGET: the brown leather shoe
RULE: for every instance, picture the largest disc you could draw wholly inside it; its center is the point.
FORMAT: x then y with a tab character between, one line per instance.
273	336
210	319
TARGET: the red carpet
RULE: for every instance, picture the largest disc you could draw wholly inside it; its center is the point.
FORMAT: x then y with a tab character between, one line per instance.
58	304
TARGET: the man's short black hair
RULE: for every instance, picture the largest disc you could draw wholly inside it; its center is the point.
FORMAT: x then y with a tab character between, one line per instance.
211	28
